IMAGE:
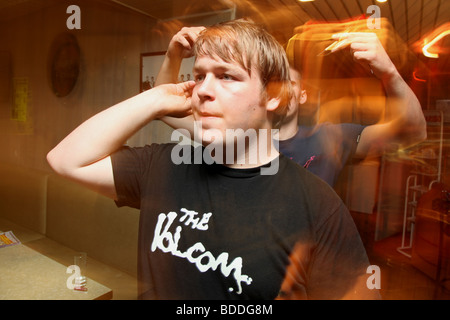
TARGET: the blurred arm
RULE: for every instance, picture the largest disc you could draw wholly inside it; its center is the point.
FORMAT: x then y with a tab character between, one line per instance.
405	123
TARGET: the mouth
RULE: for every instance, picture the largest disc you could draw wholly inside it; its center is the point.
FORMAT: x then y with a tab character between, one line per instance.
207	121
208	115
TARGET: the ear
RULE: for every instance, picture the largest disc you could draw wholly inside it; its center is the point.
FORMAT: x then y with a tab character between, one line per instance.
272	104
274	97
303	97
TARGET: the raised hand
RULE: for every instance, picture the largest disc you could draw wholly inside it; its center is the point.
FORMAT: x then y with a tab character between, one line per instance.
180	47
174	99
181	44
368	51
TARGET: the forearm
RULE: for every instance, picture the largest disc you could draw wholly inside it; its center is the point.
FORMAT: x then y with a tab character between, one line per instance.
180	123
102	134
169	70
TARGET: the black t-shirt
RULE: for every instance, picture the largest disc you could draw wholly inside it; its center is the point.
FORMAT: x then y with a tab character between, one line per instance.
212	232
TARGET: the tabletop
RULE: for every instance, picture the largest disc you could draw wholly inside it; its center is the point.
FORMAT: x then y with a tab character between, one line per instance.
26	274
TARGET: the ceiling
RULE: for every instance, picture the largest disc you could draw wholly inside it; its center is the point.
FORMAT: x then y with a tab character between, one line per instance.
412	19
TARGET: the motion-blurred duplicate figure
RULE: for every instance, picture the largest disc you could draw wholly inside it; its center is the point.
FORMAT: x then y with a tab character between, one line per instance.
325	148
221	231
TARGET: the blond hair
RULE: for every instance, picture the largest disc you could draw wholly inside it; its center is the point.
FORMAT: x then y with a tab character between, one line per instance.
245	43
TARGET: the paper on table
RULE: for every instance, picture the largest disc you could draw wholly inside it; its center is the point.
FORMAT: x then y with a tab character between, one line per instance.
8	239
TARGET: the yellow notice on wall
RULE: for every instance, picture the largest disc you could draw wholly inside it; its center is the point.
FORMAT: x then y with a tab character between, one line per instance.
21	99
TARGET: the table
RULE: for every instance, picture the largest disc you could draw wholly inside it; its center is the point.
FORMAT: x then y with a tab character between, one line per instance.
26	274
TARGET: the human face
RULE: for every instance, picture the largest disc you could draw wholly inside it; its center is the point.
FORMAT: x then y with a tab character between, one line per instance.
226	96
299	95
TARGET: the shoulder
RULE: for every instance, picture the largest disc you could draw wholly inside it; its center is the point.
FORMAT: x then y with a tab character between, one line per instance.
306	183
319	197
139	158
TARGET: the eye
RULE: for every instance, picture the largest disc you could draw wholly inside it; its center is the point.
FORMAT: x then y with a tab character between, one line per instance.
199	77
227	77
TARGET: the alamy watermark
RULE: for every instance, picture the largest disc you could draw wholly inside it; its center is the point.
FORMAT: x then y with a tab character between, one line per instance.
374	280
237	147
74	20
76	281
374	21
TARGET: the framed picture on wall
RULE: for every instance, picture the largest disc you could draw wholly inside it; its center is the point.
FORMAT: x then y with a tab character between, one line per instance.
151	63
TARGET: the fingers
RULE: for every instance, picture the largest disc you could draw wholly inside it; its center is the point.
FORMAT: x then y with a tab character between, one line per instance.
183	108
176	89
193	32
187	87
337	45
363	45
187	36
366	49
182	43
352	36
358	40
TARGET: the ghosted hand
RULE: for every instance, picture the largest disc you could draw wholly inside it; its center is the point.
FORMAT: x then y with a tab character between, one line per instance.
368	51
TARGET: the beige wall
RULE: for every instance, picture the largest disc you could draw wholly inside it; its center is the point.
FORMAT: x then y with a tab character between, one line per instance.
111	40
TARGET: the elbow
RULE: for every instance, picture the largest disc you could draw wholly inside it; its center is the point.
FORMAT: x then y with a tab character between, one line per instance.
423	135
421	130
52	160
56	162
410	134
416	128
416	133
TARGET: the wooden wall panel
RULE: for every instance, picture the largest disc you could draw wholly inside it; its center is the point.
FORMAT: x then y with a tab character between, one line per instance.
111	41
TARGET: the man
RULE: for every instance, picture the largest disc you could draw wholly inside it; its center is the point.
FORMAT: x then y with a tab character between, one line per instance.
221	231
324	149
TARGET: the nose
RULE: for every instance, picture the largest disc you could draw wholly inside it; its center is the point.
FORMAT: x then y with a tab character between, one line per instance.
206	88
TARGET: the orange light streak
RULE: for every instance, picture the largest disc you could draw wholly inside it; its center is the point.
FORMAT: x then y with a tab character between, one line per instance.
437	35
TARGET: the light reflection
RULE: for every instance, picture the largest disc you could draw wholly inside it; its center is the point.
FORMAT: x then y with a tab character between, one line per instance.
430	46
427	46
